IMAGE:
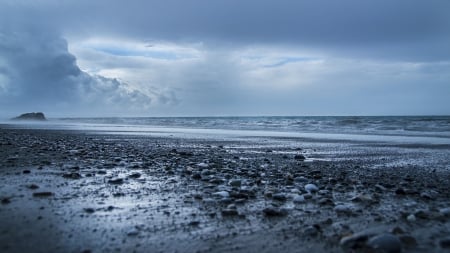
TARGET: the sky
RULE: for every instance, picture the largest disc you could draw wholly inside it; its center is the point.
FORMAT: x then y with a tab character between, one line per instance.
107	58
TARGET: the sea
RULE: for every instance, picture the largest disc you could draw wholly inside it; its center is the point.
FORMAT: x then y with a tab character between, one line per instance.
409	129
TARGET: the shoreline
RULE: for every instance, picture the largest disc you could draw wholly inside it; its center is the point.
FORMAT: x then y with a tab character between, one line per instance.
134	193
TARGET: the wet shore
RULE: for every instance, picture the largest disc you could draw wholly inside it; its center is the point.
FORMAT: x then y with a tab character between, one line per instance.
73	191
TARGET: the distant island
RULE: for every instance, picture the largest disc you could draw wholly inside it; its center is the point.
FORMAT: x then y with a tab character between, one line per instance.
36	116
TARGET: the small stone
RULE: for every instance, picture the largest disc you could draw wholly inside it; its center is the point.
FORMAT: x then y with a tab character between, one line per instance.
311	231
387	243
400	191
411	218
42	194
344	208
445	243
299	157
235	182
311	188
408	240
272	211
135	175
326	201
33	187
299	199
202	165
89	210
73	175
279	196
223	194
116	181
196	176
133	232
445	211
26	172
307	196
229	212
6	201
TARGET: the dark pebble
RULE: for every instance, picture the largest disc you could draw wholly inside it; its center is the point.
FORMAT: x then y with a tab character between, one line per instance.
445	243
42	194
6	201
271	211
26	172
116	181
73	175
299	157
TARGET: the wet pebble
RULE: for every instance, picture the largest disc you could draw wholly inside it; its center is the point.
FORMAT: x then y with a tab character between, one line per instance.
42	194
445	243
385	243
272	211
279	197
116	181
229	212
311	188
299	199
222	194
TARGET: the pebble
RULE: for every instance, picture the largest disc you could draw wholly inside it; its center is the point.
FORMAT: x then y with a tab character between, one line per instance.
42	194
229	212
6	201
89	210
445	243
411	218
386	243
311	188
116	181
272	211
223	194
135	175
344	208
311	231
299	199
235	182
299	157
73	175
279	196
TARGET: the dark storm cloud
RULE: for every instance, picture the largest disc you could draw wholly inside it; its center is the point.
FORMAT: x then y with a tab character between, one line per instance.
404	29
38	73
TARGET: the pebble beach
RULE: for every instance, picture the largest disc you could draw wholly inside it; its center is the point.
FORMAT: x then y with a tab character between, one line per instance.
78	191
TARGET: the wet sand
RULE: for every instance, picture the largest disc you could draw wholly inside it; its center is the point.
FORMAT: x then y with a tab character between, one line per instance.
73	191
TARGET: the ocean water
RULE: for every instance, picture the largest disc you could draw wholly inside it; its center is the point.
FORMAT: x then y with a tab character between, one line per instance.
433	129
407	129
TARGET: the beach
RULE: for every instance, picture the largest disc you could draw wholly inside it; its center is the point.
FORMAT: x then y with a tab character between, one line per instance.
78	190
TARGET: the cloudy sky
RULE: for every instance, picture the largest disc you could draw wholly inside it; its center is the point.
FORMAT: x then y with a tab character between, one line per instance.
224	57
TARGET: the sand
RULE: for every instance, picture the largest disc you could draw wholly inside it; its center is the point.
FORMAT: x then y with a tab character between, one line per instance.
74	191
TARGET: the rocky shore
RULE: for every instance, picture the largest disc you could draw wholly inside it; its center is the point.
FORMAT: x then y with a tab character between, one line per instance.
70	191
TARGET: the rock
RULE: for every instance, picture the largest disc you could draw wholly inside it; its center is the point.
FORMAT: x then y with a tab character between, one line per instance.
408	240
445	243
235	182
26	172
133	232
311	188
311	231
344	208
42	194
299	157
385	243
135	175
445	211
6	200
222	194
411	218
33	186
272	211
35	116
229	212
89	210
73	175
299	199
279	196
116	181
